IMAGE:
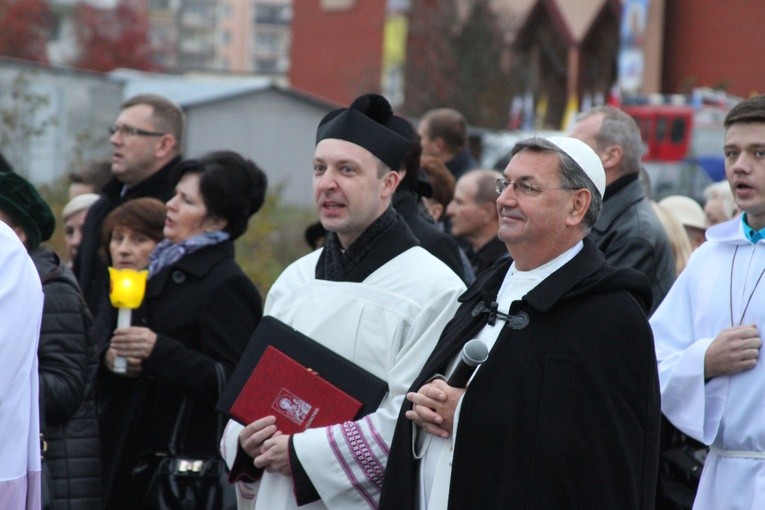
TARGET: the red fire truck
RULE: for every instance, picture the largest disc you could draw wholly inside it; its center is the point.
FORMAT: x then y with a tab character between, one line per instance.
683	140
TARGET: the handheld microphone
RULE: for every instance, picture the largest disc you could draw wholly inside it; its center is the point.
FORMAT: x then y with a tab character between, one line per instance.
473	354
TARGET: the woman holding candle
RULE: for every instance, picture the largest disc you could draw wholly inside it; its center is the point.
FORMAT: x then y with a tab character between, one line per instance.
199	311
131	232
128	236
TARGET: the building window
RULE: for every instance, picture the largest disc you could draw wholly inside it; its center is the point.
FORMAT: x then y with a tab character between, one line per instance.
266	66
267	42
273	14
337	5
56	28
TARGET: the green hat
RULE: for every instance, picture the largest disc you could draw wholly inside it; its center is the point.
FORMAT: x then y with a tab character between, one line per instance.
21	201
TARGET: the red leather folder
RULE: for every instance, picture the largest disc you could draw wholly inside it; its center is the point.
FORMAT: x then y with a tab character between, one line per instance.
337	377
298	397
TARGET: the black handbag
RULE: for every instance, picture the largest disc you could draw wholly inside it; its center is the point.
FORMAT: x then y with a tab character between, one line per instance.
182	482
680	464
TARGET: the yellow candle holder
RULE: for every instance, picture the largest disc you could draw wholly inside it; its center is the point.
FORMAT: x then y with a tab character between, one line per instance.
126	290
127	287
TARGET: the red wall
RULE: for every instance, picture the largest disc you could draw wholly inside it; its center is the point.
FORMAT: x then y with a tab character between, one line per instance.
337	55
708	42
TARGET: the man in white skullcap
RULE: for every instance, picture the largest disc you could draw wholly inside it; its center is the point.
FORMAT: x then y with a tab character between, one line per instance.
564	412
21	301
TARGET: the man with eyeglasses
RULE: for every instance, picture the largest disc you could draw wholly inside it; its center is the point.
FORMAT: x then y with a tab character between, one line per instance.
564	412
146	145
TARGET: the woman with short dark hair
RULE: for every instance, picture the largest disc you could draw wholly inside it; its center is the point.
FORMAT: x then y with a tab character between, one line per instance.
199	312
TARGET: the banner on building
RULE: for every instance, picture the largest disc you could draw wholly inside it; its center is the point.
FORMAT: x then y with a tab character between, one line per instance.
394	51
631	62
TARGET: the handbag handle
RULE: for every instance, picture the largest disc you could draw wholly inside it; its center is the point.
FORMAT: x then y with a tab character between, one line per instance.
221	380
179	429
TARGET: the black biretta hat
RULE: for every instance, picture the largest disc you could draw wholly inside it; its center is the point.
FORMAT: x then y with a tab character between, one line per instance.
369	123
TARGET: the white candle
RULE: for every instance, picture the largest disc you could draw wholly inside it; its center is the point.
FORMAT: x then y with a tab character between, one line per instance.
123	321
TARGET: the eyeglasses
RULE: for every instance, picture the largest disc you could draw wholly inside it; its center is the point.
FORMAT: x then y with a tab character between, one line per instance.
133	131
525	187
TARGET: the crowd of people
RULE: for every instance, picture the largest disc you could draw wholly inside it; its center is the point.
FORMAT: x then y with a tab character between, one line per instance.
618	330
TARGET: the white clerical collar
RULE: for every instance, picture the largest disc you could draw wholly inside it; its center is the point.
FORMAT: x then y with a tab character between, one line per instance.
547	268
517	283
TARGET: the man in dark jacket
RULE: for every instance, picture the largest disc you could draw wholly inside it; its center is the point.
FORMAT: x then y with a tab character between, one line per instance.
66	354
146	145
628	232
443	132
474	221
564	413
407	202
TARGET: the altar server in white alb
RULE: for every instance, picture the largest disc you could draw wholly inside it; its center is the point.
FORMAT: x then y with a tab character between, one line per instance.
371	295
708	331
21	301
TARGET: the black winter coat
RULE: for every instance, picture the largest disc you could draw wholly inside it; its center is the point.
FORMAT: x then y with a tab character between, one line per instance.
89	266
67	361
630	234
204	310
462	163
490	253
564	414
438	243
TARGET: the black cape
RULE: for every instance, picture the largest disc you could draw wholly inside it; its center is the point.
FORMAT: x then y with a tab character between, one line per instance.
565	411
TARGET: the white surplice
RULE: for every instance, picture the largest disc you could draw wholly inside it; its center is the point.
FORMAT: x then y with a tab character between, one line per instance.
388	324
21	301
726	412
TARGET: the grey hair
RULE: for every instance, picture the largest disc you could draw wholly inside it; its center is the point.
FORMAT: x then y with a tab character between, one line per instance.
486	184
618	128
572	176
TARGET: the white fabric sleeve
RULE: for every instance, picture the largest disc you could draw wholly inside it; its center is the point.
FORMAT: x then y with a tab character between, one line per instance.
21	301
693	406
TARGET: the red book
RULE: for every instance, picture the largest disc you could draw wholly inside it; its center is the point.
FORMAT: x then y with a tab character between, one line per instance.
344	377
298	397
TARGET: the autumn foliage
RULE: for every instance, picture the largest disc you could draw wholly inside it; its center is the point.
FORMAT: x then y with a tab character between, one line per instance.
24	29
111	38
456	60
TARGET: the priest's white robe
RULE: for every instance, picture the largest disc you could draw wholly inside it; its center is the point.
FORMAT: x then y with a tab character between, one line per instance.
21	301
388	324
727	412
